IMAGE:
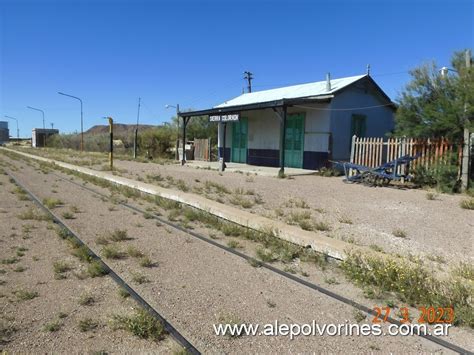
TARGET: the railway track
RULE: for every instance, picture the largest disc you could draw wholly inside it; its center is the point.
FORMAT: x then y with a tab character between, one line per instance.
292	277
273	269
169	328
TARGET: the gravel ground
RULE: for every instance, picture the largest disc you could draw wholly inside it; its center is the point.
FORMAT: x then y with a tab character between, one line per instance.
35	247
195	285
432	227
438	229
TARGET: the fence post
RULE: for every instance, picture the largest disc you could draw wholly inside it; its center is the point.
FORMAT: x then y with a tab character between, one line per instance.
352	152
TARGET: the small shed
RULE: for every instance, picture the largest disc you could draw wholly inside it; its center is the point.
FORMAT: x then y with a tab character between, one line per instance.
301	126
4	132
39	136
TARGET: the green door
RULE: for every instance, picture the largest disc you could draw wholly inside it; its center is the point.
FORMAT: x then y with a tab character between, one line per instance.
239	141
294	140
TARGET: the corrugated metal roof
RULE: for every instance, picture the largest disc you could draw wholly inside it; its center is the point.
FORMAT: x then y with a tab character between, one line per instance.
317	88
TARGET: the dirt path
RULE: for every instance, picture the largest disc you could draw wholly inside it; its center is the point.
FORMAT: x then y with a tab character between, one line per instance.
196	285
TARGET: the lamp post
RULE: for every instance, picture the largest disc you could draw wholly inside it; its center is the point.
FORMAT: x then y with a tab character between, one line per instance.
42	112
82	127
177	119
17	130
37	109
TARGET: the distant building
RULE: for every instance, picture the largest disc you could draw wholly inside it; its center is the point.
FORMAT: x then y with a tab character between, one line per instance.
313	122
4	132
39	136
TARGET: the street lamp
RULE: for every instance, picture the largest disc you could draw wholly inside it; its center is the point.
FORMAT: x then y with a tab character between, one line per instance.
82	129
37	109
177	119
42	112
17	130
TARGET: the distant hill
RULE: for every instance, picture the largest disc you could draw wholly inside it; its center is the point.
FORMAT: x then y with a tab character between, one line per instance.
119	129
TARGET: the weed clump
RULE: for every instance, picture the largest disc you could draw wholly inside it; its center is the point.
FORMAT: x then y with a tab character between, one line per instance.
52	202
53	326
119	235
60	268
24	295
141	324
86	299
87	324
467	204
400	233
34	214
112	252
146	262
82	253
412	283
139	278
96	269
134	252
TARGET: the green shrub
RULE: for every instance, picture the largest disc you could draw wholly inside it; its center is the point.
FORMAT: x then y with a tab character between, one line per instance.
443	175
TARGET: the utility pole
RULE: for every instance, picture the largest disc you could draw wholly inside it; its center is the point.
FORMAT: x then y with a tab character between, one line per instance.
177	137
248	76
177	122
135	142
52	125
465	171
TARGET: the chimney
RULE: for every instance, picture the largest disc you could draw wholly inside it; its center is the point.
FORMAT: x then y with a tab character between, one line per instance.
328	82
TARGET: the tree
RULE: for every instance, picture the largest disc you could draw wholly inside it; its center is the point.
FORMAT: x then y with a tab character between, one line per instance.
197	127
435	105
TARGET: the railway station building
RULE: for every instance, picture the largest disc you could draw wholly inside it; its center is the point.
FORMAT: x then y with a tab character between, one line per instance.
300	126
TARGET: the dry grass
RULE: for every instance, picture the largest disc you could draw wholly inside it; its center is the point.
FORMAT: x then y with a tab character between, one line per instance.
400	233
141	324
467	204
52	202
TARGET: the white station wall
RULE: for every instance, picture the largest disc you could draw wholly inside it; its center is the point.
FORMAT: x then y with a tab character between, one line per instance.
264	128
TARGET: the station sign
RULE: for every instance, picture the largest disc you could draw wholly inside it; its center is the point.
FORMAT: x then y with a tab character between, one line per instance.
230	117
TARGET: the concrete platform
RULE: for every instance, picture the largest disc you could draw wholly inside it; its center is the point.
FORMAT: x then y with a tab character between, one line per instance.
250	169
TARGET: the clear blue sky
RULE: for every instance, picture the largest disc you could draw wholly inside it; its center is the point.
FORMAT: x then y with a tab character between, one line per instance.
194	52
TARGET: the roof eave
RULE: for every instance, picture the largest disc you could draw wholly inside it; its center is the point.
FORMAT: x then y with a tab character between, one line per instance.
258	106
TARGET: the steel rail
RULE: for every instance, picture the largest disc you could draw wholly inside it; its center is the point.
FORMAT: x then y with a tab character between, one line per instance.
169	328
271	268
